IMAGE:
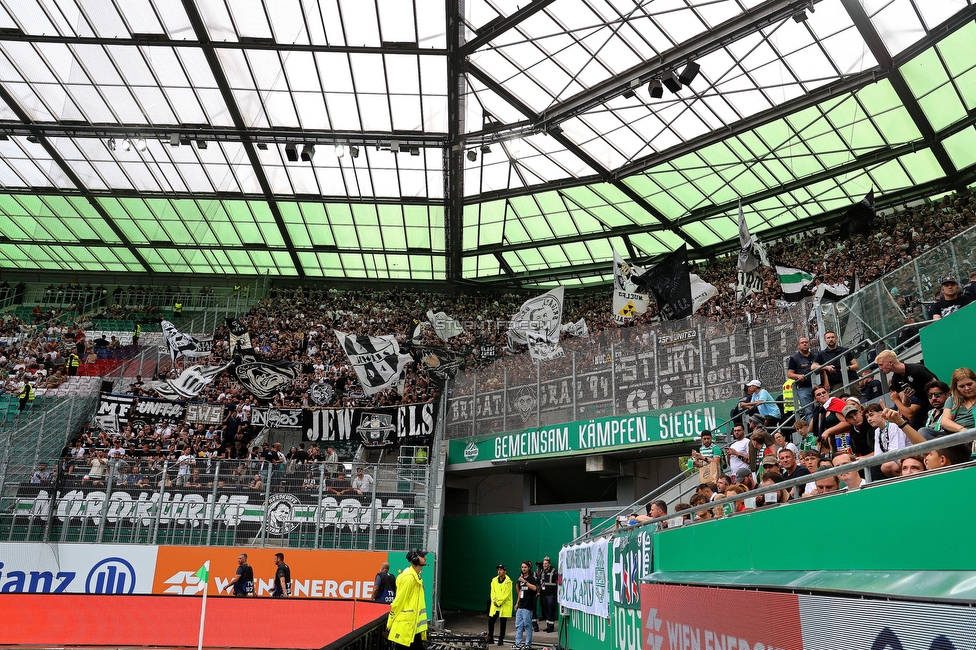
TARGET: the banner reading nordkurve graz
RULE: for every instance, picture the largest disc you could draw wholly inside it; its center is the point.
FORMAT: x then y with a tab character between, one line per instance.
583	587
632	554
605	434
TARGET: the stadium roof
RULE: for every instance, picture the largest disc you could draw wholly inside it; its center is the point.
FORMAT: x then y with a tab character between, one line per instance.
495	141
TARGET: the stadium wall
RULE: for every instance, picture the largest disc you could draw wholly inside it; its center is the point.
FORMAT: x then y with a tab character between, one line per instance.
35	619
941	340
474	546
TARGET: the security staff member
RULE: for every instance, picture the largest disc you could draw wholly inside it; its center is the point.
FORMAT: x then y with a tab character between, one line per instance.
177	308
26	395
71	365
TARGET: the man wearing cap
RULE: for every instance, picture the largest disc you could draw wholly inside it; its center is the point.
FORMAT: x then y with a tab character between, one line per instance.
708	452
407	623
861	434
832	362
548	584
759	396
501	604
768	462
951	300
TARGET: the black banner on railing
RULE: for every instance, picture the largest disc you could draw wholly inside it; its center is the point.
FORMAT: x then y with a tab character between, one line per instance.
137	411
373	427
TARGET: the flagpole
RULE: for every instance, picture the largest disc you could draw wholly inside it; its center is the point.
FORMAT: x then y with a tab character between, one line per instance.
203	607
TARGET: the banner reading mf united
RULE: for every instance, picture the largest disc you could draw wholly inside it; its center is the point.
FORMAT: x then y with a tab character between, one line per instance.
584	578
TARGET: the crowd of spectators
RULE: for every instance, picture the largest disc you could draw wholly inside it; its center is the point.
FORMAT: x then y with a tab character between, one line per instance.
925	408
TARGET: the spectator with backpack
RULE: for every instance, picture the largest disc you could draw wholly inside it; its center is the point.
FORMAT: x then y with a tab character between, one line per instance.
242	584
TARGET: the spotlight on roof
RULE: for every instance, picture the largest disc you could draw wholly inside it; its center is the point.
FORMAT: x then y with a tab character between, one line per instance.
141	144
126	144
308	152
291	152
671	82
485	149
800	16
110	144
339	150
174	139
354	151
414	151
33	138
689	73
629	94
472	155
263	146
395	146
657	90
201	144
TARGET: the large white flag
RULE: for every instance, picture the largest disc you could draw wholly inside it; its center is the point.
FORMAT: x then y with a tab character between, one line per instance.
752	255
537	324
701	292
628	302
190	382
577	329
184	345
445	326
376	360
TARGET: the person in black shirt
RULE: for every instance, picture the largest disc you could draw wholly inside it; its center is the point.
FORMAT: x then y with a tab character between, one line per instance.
547	583
282	580
834	362
242	584
904	376
950	301
800	365
861	433
528	588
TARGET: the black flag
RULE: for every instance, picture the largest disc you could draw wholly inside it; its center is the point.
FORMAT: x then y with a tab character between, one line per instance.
859	220
670	283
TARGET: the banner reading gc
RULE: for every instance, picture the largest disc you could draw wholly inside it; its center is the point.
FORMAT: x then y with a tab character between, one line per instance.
604	434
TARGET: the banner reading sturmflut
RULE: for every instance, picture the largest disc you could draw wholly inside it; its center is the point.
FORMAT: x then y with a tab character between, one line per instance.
584	578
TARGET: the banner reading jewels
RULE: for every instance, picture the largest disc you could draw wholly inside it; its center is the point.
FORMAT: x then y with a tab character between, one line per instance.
373	427
605	434
583	584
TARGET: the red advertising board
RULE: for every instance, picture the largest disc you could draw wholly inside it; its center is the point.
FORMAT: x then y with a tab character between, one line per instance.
677	617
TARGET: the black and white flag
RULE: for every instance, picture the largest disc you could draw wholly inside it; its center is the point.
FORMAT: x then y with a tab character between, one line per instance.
628	301
264	379
445	326
752	255
578	329
441	364
238	338
322	393
537	325
190	382
184	345
376	359
670	282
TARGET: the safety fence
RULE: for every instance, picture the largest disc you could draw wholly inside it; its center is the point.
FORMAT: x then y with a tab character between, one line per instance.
219	503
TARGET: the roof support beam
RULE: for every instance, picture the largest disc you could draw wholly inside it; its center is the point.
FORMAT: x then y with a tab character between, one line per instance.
876	44
56	157
454	152
494	29
200	29
160	40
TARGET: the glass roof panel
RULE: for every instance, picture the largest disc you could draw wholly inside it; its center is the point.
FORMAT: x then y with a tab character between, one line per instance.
961	147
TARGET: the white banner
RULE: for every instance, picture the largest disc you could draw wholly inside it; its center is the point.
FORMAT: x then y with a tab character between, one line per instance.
77	568
584	569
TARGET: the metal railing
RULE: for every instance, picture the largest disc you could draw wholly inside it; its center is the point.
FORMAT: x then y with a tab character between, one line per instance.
218	503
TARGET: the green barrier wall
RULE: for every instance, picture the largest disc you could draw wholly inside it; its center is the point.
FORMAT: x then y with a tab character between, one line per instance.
946	343
908	525
474	546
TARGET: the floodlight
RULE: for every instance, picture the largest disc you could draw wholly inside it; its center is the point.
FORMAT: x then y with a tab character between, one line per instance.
126	144
414	151
340	151
800	16
110	144
689	73
354	152
202	144
174	139
472	155
395	146
671	82
291	152
485	149
657	90
141	144
308	152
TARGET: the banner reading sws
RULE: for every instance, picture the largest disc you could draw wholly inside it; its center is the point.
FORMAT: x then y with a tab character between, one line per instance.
588	436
